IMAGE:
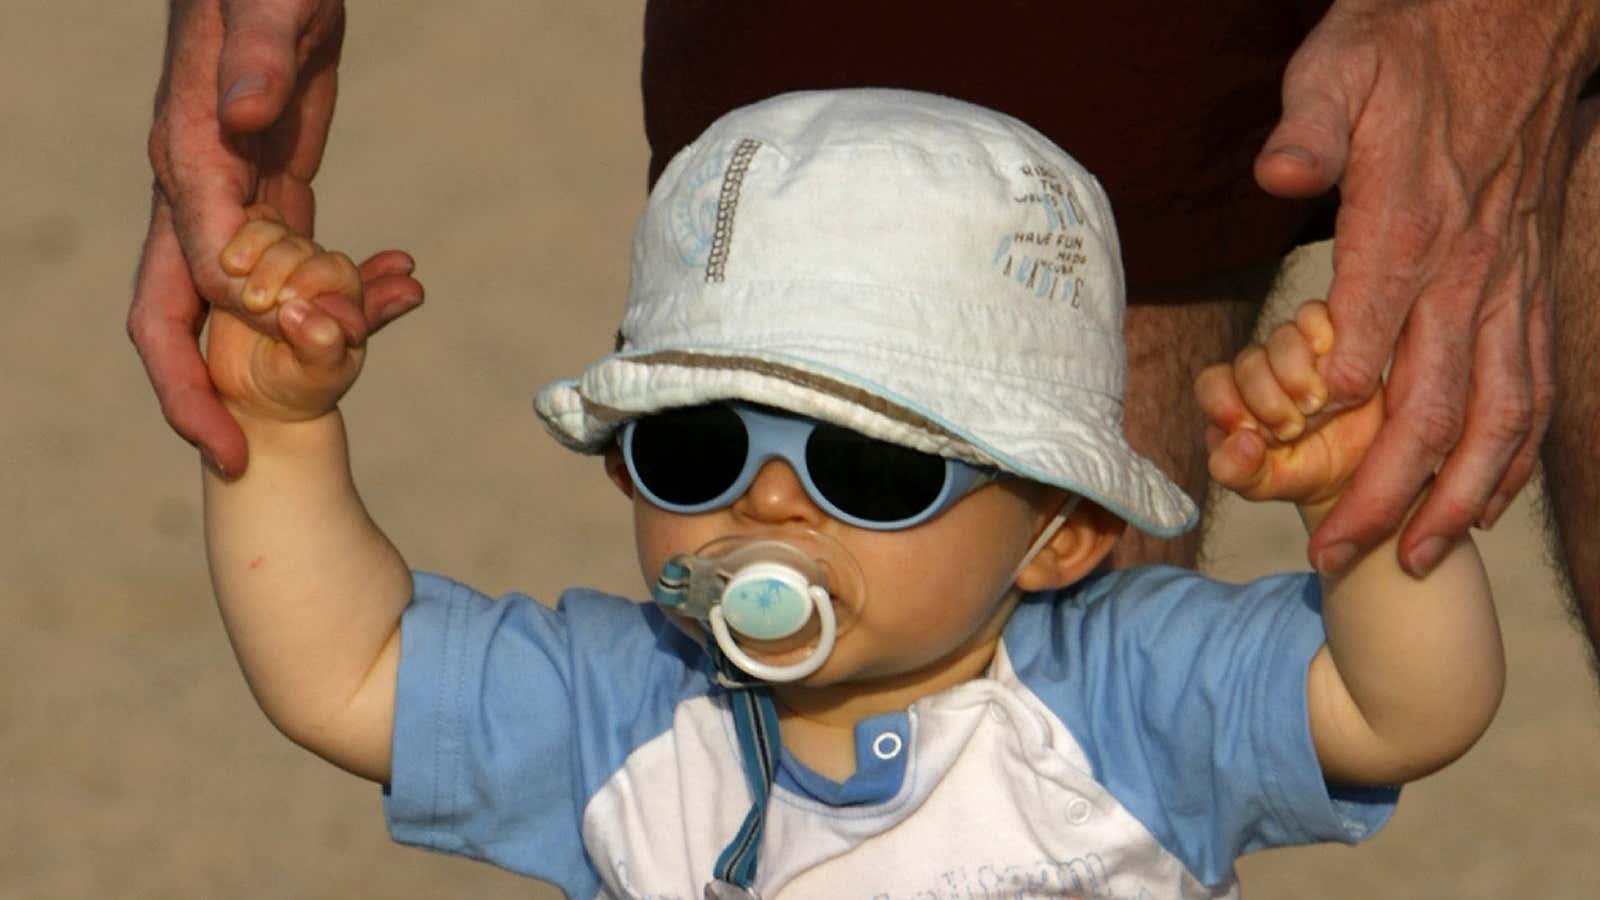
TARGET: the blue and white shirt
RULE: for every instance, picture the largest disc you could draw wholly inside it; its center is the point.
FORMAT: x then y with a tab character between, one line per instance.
1136	733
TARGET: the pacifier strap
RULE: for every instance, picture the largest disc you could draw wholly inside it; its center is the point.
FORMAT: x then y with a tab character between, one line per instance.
755	723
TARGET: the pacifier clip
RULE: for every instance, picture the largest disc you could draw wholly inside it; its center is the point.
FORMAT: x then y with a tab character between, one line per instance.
755	724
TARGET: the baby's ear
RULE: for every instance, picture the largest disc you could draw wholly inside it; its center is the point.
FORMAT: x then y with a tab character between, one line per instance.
1077	548
617	471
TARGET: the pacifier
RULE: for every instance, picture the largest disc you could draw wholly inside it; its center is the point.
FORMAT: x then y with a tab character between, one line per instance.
767	590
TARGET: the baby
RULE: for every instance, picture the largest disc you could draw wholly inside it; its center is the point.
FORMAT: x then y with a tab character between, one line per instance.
866	405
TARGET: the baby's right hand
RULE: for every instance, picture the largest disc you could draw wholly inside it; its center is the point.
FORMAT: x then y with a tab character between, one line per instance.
302	375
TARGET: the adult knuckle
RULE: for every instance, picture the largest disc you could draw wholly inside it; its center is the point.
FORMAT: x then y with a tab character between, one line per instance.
1417	225
1510	415
137	326
1349	377
1436	425
1456	512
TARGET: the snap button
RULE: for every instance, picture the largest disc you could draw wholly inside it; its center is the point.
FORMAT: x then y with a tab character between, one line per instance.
886	746
1079	810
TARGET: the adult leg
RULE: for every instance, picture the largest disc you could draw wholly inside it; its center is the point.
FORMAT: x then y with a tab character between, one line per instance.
1572	449
1171	335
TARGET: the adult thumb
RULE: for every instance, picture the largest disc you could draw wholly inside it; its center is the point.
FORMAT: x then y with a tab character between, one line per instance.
257	71
1305	154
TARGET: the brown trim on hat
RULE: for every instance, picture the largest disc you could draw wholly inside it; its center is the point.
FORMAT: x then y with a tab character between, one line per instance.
820	383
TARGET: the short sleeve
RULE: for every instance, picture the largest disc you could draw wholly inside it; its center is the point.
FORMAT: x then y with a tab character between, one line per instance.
509	715
1188	696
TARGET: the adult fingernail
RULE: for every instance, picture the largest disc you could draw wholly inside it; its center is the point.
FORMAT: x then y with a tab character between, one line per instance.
1492	512
1333	560
210	462
245	85
397	309
1425	557
1297	153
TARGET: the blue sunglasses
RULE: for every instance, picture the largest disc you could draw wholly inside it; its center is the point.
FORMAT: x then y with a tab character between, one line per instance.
700	458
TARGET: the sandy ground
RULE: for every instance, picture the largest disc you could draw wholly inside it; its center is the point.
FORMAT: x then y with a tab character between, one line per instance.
501	144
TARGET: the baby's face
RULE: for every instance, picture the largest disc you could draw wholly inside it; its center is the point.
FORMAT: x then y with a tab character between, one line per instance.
936	593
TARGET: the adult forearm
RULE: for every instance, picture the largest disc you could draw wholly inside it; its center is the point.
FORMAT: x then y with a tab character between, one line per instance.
310	590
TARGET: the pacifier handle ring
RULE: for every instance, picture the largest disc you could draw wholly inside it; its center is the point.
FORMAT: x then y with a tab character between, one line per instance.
795	672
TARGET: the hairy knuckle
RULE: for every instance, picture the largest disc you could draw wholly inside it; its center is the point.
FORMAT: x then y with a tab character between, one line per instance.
1510	416
1436	425
1455	512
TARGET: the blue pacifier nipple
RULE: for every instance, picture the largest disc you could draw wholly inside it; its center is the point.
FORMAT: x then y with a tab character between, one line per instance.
766	601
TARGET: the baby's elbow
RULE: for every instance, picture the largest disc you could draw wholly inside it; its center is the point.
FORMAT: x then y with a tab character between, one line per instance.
1435	738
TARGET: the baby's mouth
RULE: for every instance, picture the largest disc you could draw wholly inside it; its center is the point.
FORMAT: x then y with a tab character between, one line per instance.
774	601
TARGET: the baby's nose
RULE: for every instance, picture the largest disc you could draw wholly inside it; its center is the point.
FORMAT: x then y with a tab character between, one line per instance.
777	495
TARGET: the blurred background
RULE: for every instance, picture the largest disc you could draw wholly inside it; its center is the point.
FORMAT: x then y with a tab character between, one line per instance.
501	144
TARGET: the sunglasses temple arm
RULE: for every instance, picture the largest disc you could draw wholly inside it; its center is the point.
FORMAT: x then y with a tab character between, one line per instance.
1044	537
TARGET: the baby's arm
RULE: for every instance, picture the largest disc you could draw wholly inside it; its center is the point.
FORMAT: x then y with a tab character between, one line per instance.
1413	669
310	590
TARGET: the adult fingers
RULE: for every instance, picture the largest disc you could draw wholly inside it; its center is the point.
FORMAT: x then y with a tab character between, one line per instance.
1384	247
1542	396
1499	417
389	290
292	149
259	66
164	321
1425	407
1306	152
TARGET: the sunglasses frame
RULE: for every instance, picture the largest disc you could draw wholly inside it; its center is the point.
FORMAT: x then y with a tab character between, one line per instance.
770	434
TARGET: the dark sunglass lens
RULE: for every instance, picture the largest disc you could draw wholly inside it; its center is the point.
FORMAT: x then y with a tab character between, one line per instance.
872	479
689	456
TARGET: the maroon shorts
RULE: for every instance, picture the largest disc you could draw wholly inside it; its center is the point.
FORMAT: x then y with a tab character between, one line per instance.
1166	103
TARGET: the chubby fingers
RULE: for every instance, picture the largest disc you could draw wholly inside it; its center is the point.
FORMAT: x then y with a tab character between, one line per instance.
1264	397
315	338
1278	382
245	257
318	273
1238	450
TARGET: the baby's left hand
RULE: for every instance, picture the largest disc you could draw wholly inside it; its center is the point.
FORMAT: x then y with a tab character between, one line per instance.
1266	441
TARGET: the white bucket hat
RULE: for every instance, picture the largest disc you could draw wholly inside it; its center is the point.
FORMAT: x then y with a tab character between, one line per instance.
918	269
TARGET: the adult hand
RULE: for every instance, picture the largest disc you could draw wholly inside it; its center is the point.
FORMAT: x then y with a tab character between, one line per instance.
242	115
1447	128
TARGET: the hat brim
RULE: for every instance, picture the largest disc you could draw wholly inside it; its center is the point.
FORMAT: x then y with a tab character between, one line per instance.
1050	444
